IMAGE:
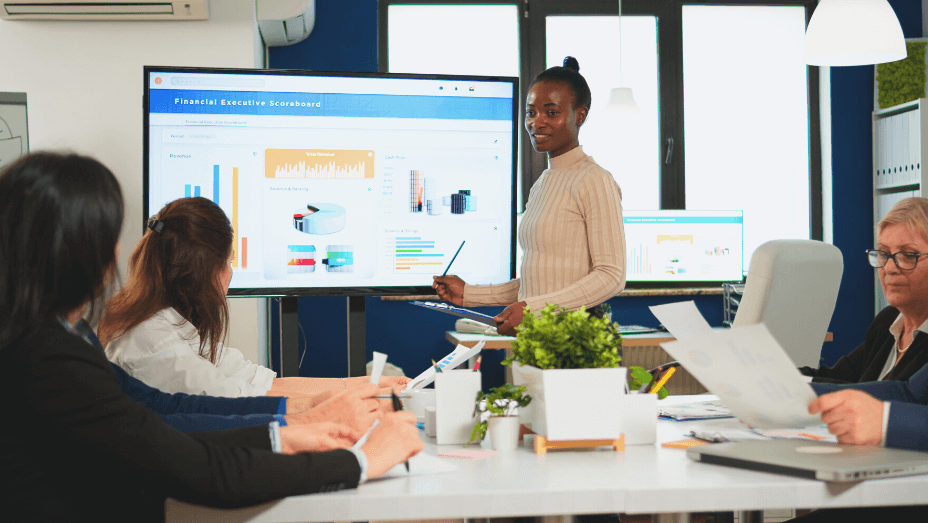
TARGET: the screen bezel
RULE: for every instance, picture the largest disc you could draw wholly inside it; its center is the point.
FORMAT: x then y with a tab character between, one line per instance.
334	291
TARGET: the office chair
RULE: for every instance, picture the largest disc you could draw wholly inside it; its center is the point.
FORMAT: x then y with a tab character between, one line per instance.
792	287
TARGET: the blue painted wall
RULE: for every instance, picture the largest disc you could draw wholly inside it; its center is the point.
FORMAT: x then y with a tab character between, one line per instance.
345	39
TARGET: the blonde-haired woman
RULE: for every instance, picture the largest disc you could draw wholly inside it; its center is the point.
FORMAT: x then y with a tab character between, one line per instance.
896	345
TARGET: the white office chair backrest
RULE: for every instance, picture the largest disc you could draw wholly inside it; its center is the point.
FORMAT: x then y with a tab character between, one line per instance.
792	287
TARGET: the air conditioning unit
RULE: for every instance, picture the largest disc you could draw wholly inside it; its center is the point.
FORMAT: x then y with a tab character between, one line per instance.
285	22
104	10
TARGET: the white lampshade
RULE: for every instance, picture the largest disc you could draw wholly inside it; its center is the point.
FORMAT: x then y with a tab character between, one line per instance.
621	101
853	32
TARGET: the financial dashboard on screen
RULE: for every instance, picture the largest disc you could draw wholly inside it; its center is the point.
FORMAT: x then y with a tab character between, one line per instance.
340	183
683	246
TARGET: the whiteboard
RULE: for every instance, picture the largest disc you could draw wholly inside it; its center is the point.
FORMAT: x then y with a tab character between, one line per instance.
14	133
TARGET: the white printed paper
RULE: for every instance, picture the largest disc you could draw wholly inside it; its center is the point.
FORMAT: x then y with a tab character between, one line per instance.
380	359
682	319
751	374
421	463
459	355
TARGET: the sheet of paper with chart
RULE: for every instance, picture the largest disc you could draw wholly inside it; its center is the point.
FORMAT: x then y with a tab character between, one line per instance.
751	374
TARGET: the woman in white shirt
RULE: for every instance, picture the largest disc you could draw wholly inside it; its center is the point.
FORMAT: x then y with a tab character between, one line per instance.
167	325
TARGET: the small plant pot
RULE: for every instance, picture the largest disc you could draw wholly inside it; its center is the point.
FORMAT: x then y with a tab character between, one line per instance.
504	432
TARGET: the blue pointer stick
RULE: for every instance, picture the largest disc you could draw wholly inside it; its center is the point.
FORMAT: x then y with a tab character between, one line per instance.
452	259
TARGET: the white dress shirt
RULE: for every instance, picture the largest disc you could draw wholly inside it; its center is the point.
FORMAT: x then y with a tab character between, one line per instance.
164	352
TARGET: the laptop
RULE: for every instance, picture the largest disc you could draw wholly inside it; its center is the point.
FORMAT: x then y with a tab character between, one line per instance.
814	459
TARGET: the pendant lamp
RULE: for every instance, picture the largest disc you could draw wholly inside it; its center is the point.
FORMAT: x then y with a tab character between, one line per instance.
621	100
853	32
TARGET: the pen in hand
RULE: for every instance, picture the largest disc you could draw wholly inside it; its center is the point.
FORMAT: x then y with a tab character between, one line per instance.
452	259
397	406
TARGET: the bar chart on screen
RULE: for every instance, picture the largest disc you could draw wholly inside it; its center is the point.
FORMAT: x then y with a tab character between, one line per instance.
672	245
221	174
417	254
324	164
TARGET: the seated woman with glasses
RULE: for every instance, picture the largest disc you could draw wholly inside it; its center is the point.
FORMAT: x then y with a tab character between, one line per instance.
896	345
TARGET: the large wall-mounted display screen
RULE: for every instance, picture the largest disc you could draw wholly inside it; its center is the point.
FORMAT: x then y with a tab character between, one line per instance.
669	246
340	183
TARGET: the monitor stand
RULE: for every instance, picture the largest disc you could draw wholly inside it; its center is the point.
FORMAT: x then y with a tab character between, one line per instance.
290	344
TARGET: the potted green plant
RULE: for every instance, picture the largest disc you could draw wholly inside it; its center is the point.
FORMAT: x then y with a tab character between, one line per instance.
498	410
569	363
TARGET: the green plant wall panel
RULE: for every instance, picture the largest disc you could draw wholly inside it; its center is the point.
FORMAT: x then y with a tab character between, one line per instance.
904	80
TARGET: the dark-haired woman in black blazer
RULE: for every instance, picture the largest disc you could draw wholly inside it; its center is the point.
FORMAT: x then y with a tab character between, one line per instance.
73	446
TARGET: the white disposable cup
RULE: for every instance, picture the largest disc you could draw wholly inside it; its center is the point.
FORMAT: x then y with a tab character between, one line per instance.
416	401
639	419
504	432
430	422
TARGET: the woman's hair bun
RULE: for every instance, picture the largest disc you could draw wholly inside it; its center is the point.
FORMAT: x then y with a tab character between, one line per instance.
571	63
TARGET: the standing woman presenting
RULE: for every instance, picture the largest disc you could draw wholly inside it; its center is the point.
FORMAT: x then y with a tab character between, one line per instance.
571	234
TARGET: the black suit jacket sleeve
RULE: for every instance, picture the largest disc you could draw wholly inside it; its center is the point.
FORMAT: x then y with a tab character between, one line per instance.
71	397
850	368
866	362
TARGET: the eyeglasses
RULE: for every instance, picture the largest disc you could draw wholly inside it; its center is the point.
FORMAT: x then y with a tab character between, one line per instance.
904	260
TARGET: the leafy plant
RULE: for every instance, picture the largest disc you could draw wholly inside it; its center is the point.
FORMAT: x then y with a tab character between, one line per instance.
504	400
638	377
558	339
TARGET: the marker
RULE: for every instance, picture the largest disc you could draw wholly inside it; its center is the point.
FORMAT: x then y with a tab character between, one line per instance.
657	386
452	259
397	406
477	363
662	368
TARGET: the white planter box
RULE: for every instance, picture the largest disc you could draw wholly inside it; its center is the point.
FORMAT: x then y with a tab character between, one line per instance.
573	404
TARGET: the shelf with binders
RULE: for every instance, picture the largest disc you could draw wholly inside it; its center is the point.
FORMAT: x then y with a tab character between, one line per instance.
900	134
897	146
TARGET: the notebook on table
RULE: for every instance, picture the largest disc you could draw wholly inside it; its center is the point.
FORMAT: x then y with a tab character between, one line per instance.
814	459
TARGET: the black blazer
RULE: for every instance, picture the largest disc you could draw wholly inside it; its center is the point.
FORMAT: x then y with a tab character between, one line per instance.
865	363
74	447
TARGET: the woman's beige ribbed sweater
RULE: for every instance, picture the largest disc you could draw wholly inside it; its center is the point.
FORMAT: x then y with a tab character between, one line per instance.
572	237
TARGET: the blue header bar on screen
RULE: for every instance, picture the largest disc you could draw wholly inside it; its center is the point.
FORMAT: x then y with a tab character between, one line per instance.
178	101
684	219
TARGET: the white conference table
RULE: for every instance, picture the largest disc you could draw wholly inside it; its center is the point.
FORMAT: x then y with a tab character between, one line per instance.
644	479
